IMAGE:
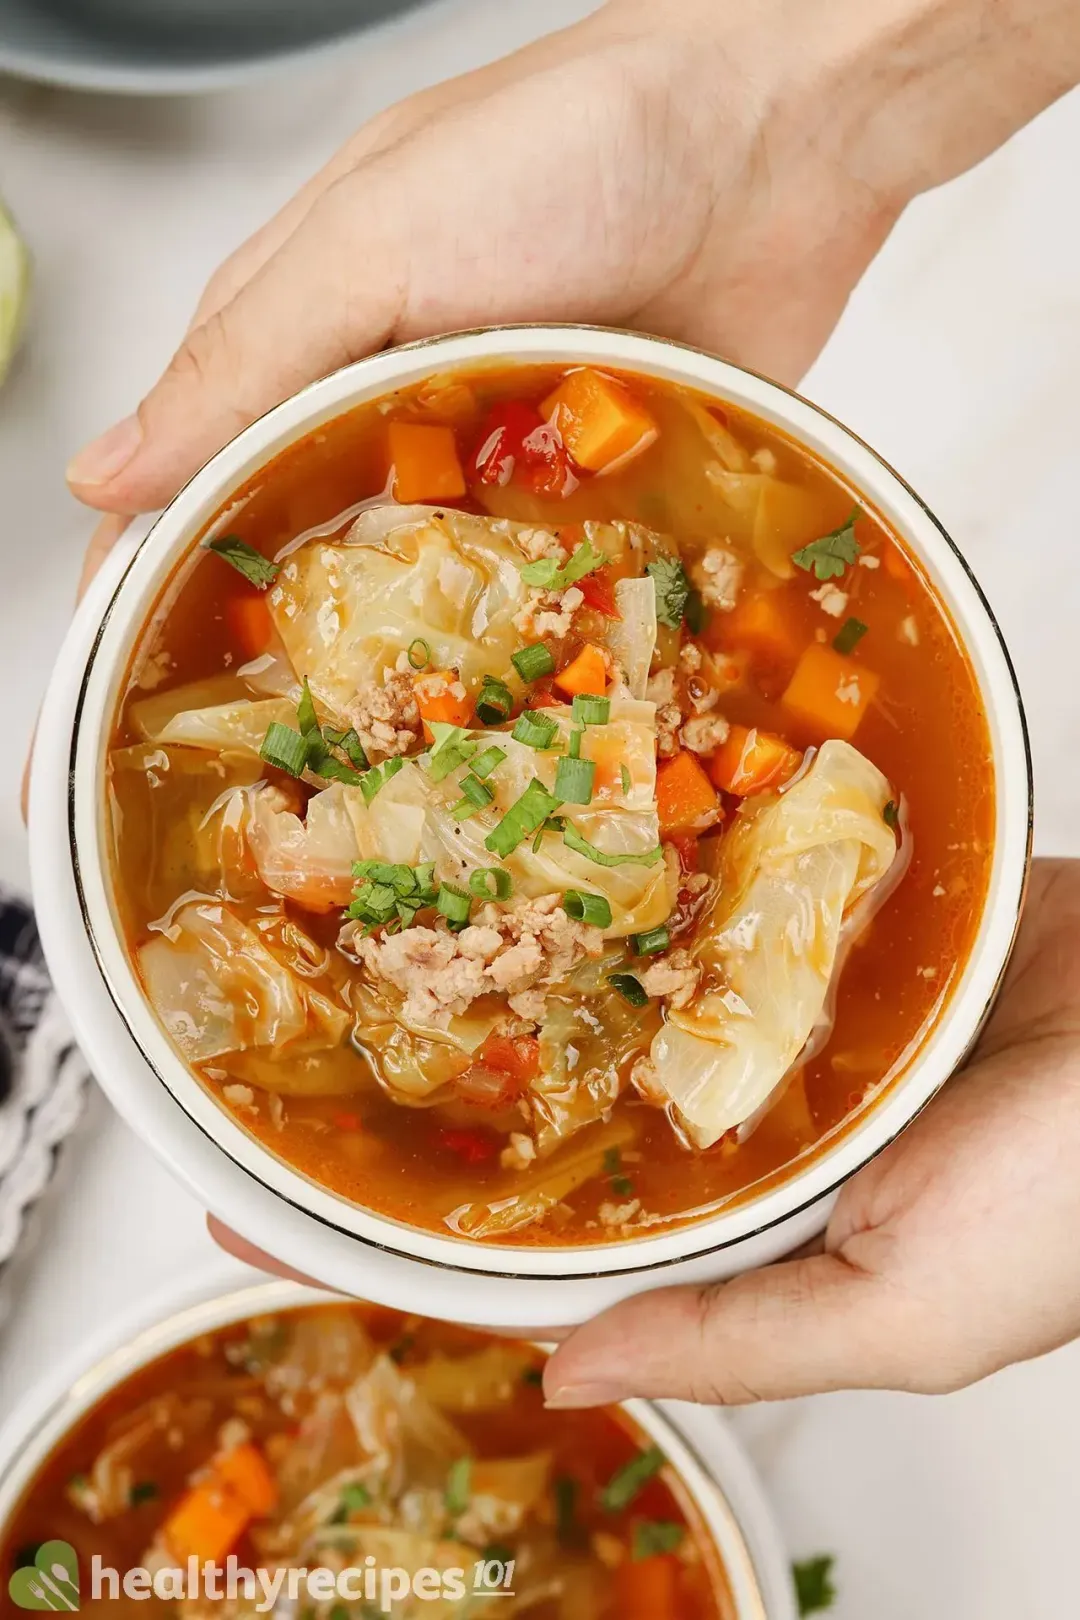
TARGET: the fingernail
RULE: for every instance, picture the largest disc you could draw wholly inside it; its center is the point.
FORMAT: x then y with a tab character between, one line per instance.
572	1396
103	460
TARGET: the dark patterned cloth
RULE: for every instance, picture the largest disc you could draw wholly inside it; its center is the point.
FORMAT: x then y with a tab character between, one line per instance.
43	1077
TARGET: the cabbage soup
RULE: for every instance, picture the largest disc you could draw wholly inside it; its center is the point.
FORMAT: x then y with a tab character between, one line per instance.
548	805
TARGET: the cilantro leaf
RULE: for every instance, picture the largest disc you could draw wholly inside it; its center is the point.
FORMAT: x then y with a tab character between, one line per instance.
832	554
256	569
672	589
654	1536
814	1589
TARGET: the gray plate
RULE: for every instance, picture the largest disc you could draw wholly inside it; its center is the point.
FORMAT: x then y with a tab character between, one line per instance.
164	46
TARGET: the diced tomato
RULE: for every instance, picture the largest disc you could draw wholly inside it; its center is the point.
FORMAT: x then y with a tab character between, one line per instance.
599	593
250	624
500	1071
516	441
347	1122
685	846
472	1147
518	1055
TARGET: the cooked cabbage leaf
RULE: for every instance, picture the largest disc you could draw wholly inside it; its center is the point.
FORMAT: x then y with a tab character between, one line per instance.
792	868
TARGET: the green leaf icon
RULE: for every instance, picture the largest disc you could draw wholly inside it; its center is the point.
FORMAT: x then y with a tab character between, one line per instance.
51	1584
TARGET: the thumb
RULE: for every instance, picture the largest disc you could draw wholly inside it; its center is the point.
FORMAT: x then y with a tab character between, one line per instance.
793	1329
331	292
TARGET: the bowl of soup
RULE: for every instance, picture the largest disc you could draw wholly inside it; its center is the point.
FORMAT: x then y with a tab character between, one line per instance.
357	1461
536	813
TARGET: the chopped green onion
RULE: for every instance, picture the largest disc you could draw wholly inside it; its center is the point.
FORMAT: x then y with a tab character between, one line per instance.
355	1497
534	1376
285	748
653	940
612	1161
624	774
814	1589
144	1490
574	780
480	883
539	839
350	745
566	1490
534	730
485	763
305	711
378	776
333	770
419	653
655	1536
533	662
695	613
494	703
454	904
575	841
451	747
522	819
546	574
475	791
574	747
588	710
458	1483
891	815
622	1185
256	569
849	635
629	988
626	1482
587	908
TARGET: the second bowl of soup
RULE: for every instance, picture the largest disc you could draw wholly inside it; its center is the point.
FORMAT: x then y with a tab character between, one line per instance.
549	795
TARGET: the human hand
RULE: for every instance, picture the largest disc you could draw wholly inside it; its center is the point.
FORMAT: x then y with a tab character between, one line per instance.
710	171
949	1257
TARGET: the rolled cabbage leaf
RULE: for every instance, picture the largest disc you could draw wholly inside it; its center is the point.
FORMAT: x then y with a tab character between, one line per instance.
632	637
239	726
792	868
309	861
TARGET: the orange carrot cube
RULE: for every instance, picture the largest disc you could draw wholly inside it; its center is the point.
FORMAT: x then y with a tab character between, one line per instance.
600	422
829	693
425	462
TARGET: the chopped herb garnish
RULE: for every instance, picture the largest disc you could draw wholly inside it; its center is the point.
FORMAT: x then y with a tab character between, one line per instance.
494	703
143	1491
354	1499
574	749
648	943
624	775
305	711
655	1536
672	589
622	1185
588	710
626	1482
833	553
566	1493
849	635
475	791
535	730
814	1590
454	904
387	891
334	770
285	748
491	883
256	569
451	747
401	1347
574	780
419	653
891	815
458	1483
695	612
375	779
575	841
533	663
350	746
587	908
533	1376
548	575
612	1161
631	989
485	763
522	819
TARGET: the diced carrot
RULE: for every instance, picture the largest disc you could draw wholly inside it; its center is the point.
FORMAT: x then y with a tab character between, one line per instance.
762	622
206	1523
586	673
829	693
599	593
895	563
245	1473
600	421
250	624
425	462
648	1588
750	761
442	702
686	800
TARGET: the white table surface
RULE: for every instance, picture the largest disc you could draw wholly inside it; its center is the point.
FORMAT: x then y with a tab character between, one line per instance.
958	359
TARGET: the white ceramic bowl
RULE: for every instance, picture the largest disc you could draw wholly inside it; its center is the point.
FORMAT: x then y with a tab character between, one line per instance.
698	1444
307	1226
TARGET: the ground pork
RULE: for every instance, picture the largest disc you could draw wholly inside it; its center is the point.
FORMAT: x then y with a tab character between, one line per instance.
386	718
691	657
537	543
674	976
718	577
508	948
669	717
831	598
548	613
704	733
